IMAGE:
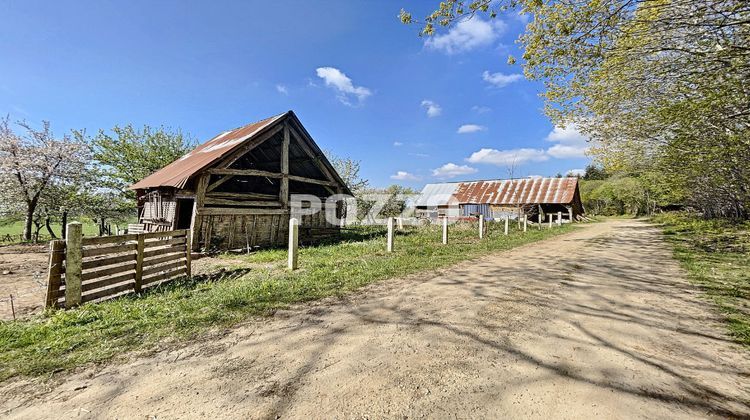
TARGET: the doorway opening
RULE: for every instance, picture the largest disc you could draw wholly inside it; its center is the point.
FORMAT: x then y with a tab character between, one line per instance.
184	213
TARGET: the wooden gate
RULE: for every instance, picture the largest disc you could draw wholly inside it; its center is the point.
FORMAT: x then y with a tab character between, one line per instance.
99	268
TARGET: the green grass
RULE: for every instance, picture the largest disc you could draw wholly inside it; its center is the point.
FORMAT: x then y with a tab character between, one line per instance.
14	228
716	255
256	285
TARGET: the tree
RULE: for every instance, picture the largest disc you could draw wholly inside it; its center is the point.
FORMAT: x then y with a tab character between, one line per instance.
594	172
31	163
127	154
659	86
348	169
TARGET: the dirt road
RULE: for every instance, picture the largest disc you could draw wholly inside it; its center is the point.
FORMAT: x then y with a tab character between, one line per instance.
598	323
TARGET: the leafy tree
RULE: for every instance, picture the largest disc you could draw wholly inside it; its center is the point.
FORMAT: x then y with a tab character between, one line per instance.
594	172
348	169
128	154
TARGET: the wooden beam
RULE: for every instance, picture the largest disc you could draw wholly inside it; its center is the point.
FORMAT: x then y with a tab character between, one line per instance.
237	154
216	184
223	211
242	196
302	142
284	188
200	197
244	172
246	203
312	181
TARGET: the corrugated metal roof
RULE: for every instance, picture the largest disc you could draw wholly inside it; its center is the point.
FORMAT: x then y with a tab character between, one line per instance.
436	194
517	191
177	173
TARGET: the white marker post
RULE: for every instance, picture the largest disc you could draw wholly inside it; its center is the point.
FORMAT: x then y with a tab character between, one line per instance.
445	229
549	217
507	223
293	243
389	245
481	226
570	214
559	218
539	218
525	222
400	221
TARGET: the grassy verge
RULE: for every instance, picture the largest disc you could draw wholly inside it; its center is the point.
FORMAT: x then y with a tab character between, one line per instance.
256	285
716	254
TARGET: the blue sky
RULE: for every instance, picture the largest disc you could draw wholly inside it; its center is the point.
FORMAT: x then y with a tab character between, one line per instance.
412	110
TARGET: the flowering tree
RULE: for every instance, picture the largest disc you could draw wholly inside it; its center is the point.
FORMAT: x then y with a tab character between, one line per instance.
32	162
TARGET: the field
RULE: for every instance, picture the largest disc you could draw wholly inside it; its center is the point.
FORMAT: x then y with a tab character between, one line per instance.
716	254
241	287
14	228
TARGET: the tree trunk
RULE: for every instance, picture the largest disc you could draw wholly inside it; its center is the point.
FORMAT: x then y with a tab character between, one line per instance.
28	223
49	228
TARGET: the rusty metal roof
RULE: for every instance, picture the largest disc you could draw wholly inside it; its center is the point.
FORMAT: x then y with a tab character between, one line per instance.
177	173
518	191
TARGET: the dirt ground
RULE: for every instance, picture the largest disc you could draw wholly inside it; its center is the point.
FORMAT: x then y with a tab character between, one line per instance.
23	274
599	323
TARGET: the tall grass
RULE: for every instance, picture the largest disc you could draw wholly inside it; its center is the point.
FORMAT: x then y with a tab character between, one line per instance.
256	285
716	255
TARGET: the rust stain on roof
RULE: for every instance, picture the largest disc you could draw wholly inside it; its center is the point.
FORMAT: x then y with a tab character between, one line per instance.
518	191
177	173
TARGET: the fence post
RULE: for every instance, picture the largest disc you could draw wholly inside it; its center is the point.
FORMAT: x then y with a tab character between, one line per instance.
293	243
188	255
549	217
445	229
73	264
141	238
481	226
56	258
525	222
400	223
540	219
559	218
507	224
389	241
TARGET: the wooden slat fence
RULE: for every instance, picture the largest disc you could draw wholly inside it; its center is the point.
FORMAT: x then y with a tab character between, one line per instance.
111	266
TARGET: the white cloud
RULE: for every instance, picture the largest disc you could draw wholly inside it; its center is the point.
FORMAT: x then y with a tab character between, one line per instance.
397	144
405	176
576	172
451	170
500	79
481	109
570	142
419	155
433	109
470	128
508	157
282	89
343	85
467	35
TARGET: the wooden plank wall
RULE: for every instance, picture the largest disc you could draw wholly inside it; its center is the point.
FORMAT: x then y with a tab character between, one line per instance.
117	265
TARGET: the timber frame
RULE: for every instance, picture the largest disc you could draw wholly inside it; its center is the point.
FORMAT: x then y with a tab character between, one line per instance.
242	198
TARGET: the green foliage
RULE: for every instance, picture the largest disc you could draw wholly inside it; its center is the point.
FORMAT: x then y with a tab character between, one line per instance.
659	86
716	255
253	285
127	154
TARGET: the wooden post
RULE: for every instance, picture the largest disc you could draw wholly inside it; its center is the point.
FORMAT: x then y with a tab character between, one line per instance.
540	219
293	243
525	222
200	198
73	264
54	274
139	262
284	188
570	214
481	226
507	224
549	217
188	253
559	218
389	244
445	229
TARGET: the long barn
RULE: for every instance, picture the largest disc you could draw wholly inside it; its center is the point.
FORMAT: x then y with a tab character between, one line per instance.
234	190
502	197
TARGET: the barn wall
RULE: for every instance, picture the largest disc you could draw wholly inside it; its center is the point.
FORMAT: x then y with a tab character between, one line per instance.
240	231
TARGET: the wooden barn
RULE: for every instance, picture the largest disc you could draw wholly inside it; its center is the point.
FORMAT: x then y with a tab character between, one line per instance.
496	199
234	190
